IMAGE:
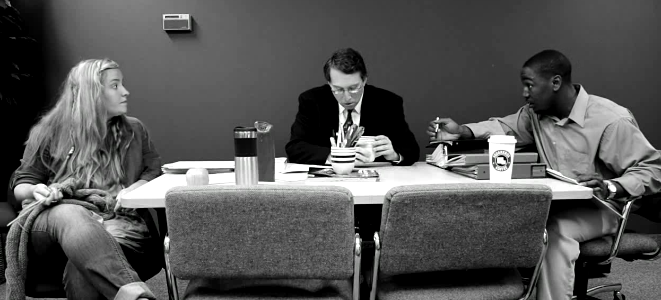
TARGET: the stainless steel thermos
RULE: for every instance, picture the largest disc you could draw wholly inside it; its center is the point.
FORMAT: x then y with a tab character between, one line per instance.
265	151
245	155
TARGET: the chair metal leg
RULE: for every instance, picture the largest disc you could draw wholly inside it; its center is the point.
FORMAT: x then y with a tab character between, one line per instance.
581	290
615	287
580	279
618	296
375	269
170	279
356	267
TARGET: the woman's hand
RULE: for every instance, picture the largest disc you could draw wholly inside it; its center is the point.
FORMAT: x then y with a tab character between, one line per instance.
121	194
46	195
125	191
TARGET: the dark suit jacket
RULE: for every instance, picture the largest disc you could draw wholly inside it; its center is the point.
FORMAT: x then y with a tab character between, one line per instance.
382	113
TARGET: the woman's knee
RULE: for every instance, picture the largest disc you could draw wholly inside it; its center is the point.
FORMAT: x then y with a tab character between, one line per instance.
69	221
69	209
69	213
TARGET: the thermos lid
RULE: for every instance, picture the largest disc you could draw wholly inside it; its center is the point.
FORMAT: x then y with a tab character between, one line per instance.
241	132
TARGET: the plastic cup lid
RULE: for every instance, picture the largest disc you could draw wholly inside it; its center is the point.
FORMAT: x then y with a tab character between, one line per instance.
503	139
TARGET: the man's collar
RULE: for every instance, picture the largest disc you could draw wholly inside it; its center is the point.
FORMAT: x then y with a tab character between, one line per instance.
580	108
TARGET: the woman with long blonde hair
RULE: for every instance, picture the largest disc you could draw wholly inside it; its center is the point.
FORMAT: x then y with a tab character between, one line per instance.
87	137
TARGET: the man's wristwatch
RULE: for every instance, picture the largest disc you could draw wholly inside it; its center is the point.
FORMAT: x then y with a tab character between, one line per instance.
612	189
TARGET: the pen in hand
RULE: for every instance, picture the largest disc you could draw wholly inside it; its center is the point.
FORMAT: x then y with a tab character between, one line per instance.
440	138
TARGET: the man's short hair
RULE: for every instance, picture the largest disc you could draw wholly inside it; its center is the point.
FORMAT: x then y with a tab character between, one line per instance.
347	61
549	63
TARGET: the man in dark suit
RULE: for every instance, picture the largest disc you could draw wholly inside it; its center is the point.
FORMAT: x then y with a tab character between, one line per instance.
346	100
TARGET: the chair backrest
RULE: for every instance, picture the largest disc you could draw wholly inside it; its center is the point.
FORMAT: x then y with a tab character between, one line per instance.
426	228
261	231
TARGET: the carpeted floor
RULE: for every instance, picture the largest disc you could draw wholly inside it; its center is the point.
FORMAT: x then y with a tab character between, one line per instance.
641	280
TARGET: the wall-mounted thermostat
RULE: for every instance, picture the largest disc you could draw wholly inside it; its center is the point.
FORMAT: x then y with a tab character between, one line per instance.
177	22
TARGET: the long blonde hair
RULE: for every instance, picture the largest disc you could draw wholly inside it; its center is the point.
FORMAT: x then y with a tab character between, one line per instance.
76	138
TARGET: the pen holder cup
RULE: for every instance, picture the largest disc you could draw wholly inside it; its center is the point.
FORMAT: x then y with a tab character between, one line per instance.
343	160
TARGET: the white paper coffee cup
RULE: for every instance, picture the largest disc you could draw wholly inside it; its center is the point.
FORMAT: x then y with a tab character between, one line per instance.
367	143
501	158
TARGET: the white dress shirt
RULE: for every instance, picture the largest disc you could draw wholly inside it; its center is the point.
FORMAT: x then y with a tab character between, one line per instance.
355	114
355	117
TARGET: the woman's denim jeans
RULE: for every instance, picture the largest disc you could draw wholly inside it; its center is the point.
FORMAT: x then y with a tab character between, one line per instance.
96	267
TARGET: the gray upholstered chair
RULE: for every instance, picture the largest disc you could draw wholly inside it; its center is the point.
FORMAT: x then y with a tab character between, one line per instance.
601	251
460	241
262	241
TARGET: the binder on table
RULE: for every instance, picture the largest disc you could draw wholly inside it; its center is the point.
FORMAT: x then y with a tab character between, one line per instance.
469	159
519	171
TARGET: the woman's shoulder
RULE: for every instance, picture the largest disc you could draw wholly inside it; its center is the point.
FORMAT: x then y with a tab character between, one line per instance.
136	125
132	120
135	122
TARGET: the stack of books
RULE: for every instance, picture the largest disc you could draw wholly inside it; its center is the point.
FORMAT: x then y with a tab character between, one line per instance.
471	158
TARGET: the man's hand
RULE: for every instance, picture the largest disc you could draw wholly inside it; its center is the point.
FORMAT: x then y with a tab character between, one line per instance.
383	147
448	130
363	154
596	182
48	195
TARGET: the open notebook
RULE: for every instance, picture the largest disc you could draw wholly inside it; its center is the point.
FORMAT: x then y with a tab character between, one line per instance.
557	175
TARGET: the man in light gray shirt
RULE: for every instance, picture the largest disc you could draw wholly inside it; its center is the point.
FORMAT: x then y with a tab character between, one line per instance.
583	136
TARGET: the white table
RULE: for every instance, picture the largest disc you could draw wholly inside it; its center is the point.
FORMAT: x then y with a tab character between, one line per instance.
152	194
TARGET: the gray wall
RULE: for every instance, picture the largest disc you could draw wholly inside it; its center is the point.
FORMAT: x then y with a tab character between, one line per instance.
249	60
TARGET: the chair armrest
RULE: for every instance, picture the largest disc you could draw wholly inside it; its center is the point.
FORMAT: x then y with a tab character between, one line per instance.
626	211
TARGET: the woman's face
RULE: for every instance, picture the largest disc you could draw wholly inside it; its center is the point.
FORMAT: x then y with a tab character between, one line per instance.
115	95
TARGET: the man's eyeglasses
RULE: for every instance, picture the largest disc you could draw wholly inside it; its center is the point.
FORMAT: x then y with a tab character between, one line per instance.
351	90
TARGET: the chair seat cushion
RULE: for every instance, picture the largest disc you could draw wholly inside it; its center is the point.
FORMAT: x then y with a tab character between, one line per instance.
630	244
473	284
204	289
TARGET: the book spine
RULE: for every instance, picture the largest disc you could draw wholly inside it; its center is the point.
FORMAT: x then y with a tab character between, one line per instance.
475	159
519	171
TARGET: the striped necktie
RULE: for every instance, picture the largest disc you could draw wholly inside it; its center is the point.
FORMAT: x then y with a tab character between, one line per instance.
349	121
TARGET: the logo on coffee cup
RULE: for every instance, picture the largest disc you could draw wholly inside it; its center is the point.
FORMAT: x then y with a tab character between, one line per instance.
501	160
